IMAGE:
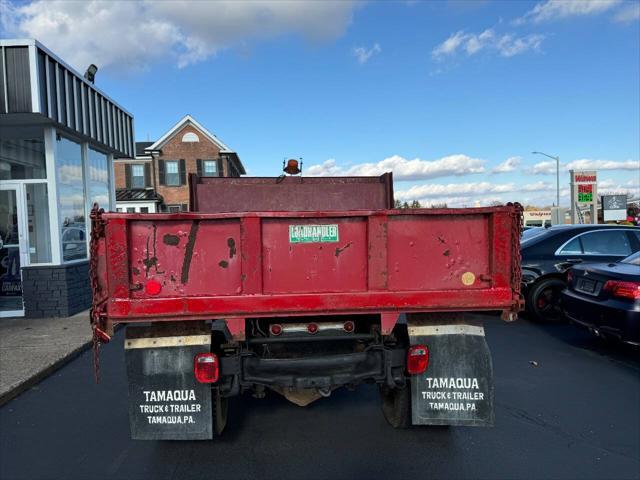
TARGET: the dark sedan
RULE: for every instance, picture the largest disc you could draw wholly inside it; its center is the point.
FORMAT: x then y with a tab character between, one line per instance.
605	298
548	253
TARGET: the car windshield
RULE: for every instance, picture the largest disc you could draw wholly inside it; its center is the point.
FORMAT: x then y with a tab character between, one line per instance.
532	233
632	259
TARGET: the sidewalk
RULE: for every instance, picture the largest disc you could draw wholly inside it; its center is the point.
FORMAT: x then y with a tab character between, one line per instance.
33	348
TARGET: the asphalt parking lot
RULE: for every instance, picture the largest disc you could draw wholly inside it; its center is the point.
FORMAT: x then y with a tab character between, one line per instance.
567	406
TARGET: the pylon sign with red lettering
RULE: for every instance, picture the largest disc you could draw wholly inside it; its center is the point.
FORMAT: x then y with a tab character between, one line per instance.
584	191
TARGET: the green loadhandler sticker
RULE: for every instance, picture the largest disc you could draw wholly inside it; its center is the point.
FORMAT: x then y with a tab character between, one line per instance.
313	233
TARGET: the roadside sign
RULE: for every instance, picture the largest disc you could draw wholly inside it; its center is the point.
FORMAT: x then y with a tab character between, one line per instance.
583	194
614	207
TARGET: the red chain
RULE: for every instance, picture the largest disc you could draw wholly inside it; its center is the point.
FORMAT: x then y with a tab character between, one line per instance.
97	231
516	269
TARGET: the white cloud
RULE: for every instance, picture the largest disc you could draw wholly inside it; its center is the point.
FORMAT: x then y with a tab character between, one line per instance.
548	167
364	54
328	168
559	9
450	45
510	45
606	184
458	202
472	189
587	164
475	193
475	43
536	187
610	187
633	183
628	13
509	165
402	168
506	45
132	35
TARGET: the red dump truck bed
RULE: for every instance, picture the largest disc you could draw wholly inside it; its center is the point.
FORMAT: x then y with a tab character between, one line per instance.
296	285
233	266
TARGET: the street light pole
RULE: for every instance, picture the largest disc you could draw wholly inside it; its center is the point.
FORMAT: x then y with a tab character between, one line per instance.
557	159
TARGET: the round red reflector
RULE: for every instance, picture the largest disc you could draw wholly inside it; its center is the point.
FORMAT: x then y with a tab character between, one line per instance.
153	287
348	327
312	328
275	329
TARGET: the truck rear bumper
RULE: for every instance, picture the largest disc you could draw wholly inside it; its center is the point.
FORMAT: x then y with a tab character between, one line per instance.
326	371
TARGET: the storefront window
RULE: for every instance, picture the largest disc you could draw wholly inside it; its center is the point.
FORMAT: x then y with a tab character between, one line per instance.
98	179
71	199
22	158
38	223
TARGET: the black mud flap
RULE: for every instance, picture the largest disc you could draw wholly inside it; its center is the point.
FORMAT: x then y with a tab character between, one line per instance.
457	387
165	400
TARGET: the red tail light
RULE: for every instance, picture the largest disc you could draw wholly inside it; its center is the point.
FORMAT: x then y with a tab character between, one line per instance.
569	277
348	327
206	367
417	359
312	328
153	287
618	289
275	329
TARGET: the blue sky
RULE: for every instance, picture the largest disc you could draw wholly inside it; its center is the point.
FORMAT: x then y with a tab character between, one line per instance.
442	93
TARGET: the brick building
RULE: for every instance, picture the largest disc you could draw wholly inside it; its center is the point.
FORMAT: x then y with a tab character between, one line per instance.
156	179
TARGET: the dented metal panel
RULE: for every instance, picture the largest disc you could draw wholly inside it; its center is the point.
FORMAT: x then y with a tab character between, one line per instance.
456	253
237	265
293	267
189	257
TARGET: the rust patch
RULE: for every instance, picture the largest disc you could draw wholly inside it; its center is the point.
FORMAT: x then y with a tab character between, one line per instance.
446	253
151	260
170	239
223	263
173	278
441	239
340	250
188	252
136	270
231	243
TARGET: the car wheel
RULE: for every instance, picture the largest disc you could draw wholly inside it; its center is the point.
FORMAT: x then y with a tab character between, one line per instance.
544	300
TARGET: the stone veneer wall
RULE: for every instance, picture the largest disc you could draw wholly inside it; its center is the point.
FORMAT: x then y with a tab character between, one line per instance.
57	290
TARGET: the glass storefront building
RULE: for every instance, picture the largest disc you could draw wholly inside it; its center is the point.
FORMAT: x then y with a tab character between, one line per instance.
59	135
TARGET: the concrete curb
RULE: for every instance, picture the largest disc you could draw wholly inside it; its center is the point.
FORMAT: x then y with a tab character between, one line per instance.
29	382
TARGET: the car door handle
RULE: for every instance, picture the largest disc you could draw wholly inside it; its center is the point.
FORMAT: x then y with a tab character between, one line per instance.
573	261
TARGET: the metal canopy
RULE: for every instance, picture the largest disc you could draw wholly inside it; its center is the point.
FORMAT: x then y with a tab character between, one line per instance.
37	87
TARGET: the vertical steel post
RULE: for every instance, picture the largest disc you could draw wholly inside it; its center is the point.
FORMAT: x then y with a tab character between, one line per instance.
557	181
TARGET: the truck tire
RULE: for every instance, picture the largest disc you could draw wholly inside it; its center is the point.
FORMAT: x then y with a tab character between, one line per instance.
544	300
220	412
396	405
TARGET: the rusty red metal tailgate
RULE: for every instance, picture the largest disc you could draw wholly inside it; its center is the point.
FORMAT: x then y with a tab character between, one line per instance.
237	265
